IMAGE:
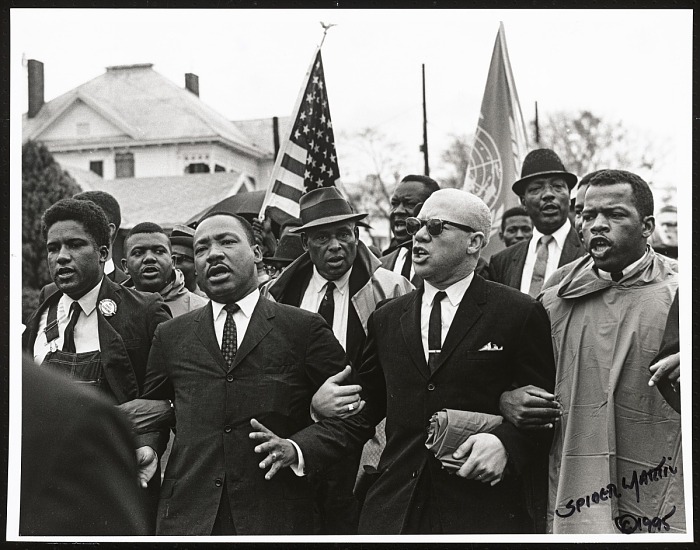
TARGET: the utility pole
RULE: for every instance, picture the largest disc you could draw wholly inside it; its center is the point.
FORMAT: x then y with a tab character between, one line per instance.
424	147
537	126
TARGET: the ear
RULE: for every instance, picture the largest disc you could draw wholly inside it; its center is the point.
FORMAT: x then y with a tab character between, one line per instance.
104	253
500	234
305	242
476	242
112	232
522	199
357	234
648	226
124	269
257	253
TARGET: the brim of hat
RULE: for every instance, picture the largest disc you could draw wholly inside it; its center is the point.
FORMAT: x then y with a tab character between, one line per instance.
182	241
569	178
328	220
268	259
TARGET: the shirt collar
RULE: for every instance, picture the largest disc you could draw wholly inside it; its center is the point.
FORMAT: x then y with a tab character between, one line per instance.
318	282
606	274
109	266
247	304
455	292
87	301
559	235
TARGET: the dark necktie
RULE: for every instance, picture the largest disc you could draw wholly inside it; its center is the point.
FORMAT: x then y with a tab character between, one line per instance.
327	307
229	344
69	334
540	268
616	276
406	269
435	331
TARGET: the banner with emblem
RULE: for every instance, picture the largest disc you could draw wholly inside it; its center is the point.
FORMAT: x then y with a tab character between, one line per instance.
307	158
500	143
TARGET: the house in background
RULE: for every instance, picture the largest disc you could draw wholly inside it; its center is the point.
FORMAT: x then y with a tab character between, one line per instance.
157	148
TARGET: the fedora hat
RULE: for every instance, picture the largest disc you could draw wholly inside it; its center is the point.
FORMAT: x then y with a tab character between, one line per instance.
324	206
288	249
542	162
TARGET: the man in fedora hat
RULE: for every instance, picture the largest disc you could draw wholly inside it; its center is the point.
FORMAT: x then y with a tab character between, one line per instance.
288	249
338	277
543	188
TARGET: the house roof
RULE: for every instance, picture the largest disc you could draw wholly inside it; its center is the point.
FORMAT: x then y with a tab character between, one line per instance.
259	131
165	200
147	107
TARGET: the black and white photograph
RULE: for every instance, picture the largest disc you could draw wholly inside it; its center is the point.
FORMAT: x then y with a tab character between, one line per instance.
350	275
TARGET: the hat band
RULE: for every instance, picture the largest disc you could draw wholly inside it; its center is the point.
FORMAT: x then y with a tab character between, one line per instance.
325	209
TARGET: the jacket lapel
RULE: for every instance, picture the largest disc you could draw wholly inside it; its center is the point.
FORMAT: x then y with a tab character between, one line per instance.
116	363
518	263
204	329
258	328
466	316
410	328
571	250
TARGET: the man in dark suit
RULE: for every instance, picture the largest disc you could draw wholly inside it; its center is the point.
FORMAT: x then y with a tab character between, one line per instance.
410	193
78	467
543	189
95	331
457	343
240	359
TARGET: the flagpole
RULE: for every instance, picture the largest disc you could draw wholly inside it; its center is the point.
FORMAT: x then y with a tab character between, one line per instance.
424	148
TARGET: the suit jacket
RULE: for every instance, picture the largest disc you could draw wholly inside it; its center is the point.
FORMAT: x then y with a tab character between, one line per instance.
506	267
397	380
286	354
389	261
125	337
78	467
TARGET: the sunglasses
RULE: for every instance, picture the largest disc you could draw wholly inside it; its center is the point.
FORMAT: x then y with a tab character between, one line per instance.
434	225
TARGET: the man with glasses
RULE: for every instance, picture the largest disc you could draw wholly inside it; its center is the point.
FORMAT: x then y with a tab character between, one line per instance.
338	277
457	343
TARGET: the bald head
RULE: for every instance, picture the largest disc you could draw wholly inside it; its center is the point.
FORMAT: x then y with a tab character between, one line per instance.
461	207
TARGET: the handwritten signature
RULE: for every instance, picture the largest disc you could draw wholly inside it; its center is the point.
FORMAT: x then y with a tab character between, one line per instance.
628	523
645	477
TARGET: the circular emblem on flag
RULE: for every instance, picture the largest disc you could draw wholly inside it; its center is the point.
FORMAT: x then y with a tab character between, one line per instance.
485	174
107	307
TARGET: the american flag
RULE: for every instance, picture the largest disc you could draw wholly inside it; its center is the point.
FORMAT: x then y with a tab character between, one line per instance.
307	159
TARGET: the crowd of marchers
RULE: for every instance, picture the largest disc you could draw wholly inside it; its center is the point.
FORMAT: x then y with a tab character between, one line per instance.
233	379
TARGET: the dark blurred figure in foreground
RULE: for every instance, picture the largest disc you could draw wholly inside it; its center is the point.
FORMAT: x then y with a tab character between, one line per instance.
78	467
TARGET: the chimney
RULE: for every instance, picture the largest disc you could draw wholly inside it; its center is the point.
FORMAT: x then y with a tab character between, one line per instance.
36	87
192	83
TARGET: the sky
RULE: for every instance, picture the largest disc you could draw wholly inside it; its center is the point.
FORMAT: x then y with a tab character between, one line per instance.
632	66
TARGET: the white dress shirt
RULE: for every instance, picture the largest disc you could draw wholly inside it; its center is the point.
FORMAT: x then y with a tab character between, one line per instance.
109	266
313	296
241	317
448	308
606	274
86	335
555	246
400	259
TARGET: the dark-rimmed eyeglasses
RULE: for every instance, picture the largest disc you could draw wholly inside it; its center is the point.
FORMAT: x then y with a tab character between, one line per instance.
434	225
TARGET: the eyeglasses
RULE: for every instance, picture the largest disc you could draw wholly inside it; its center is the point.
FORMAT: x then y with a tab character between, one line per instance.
434	225
179	258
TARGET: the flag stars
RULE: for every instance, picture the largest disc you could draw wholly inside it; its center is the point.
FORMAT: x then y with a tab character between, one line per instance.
296	134
305	129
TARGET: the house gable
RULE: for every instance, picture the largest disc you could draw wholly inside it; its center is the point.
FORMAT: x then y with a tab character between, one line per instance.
80	121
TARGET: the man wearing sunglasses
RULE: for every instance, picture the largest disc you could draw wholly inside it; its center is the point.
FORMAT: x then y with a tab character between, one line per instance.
457	343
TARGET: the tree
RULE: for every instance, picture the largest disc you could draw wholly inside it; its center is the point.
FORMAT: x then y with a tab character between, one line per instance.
456	157
44	182
586	142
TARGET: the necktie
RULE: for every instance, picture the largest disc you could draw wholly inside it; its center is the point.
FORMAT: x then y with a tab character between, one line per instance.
540	265
435	331
406	269
327	307
616	276
229	344
69	334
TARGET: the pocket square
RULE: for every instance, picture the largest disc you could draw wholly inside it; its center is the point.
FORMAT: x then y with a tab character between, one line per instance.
491	347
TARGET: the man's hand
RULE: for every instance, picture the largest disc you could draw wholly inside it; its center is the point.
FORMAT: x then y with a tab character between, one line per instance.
487	458
280	452
668	367
530	407
147	464
332	400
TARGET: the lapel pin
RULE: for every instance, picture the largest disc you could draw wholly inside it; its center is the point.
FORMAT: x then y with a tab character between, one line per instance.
107	307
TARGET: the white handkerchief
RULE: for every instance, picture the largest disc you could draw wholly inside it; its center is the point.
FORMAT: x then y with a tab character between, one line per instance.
491	347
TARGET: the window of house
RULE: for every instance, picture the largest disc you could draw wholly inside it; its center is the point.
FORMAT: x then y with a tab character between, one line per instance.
97	166
124	165
82	128
219	168
197	168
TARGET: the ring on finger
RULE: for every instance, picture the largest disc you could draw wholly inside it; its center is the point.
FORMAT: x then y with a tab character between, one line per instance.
351	407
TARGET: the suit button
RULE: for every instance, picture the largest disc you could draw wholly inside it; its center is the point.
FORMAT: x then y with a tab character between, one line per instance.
227	429
229	378
414	474
218	482
431	386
